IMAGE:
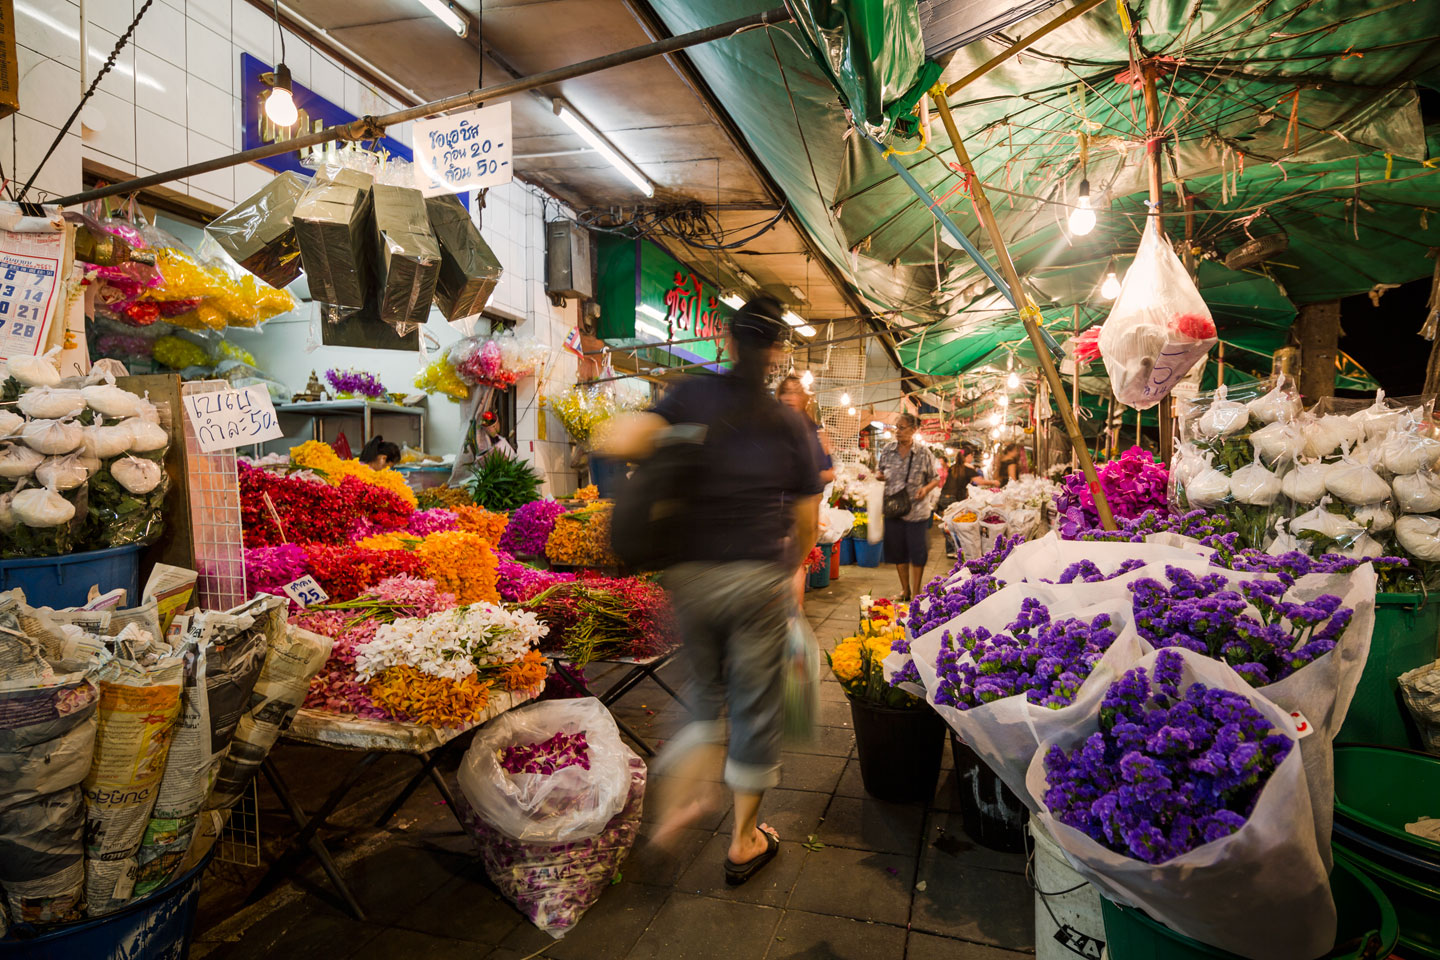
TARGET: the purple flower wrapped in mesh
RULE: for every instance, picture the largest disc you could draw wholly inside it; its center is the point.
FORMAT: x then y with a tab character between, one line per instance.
530	527
1206	615
942	601
1167	771
1045	660
357	382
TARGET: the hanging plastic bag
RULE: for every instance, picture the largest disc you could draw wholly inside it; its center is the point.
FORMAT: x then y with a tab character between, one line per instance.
1281	405
802	680
1279	442
569	804
1158	327
1223	417
1306	483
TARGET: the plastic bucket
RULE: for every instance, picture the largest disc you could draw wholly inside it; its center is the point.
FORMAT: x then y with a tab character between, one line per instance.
868	554
66	581
821	578
1407	635
159	927
899	750
847	551
990	812
608	475
1067	906
1377	791
1368	926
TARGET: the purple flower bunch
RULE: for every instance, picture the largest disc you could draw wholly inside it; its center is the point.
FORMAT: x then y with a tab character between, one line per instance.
1288	566
1166	772
422	523
1206	616
941	602
908	673
1133	483
267	569
1045	660
529	527
1196	523
355	381
518	582
548	756
1087	571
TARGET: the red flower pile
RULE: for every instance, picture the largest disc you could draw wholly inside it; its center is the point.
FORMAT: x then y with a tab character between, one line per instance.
605	617
312	511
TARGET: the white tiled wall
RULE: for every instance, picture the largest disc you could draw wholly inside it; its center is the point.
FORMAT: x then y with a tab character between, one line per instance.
172	98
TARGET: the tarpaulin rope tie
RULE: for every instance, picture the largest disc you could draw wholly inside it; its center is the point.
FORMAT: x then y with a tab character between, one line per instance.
1293	128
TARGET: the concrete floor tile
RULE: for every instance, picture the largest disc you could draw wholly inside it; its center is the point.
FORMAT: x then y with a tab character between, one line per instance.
809	936
945	838
399	944
924	946
698	928
984	906
606	931
769	886
835	714
856	884
300	929
851	784
803	771
872	825
464	910
827	741
649	863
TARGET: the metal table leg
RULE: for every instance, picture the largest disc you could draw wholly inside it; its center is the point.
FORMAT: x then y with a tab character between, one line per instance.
562	669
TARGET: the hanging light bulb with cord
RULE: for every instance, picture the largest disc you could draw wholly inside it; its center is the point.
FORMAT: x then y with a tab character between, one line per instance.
1013	380
1110	289
806	379
845	399
1082	218
280	101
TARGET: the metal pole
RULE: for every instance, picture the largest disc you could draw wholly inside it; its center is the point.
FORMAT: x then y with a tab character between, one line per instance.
1029	313
367	128
1073	13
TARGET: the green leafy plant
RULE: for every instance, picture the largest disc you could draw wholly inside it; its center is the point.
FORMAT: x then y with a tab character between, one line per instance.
500	482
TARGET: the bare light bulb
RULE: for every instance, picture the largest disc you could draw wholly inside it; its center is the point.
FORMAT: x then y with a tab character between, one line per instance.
994	419
280	104
1082	218
1004	400
807	378
1013	380
844	399
995	433
851	411
1110	289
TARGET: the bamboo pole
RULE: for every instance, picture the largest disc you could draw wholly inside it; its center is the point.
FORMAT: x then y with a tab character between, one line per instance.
1074	13
1029	313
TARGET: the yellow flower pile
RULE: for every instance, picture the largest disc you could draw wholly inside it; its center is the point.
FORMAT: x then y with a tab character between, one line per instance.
582	409
457	561
858	663
581	538
486	524
439	376
525	674
587	492
319	457
227	300
409	695
177	353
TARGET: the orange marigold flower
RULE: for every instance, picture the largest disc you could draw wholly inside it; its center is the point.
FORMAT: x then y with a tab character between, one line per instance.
481	522
461	563
409	695
525	674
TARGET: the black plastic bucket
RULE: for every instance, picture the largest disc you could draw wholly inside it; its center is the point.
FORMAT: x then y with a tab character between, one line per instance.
990	812
900	750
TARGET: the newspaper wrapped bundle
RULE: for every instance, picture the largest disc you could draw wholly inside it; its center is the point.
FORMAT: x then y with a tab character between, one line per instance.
468	268
409	256
332	228
258	232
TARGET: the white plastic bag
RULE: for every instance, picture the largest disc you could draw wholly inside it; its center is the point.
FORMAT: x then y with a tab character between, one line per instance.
1261	892
1419	535
1253	484
570	804
1278	442
112	401
1353	482
1158	327
1325	435
53	436
38	371
1306	483
1223	417
51	403
1417	492
1280	405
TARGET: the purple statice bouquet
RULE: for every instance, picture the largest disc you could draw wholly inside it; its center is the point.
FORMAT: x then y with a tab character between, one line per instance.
529	527
945	598
548	756
1045	660
1196	523
355	382
1168	771
1133	483
1209	616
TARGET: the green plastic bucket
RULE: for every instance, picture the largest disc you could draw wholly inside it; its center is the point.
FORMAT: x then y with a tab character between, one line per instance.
1377	791
1407	635
1367	926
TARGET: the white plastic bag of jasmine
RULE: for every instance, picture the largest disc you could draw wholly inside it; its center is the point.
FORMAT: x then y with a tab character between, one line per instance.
1263	892
1005	733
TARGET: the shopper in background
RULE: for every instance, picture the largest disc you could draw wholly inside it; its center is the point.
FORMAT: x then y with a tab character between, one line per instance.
753	514
793	394
907	468
380	453
1012	463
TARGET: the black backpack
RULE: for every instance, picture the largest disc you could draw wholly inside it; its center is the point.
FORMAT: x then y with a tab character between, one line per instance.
652	518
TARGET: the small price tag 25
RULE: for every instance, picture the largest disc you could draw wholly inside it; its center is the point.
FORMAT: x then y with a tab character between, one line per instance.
227	419
305	591
1303	727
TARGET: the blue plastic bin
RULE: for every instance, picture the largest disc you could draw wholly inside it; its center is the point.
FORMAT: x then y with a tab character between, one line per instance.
608	474
868	554
66	581
821	578
159	927
847	551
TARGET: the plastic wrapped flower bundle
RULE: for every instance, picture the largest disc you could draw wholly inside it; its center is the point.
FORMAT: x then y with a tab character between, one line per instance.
178	353
814	560
1206	615
440	376
603	618
1292	565
858	663
1168	771
946	597
581	538
581	409
518	582
499	361
529	528
489	525
319	457
1133	483
548	756
355	383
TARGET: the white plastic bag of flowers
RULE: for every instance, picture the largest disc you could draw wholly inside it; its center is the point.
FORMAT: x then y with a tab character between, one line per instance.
1158	327
1184	795
552	799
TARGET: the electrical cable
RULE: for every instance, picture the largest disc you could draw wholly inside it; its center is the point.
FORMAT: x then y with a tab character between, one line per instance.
109	63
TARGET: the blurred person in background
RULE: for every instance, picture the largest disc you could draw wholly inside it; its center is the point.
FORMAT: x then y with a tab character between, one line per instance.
1012	463
380	453
752	519
793	394
907	466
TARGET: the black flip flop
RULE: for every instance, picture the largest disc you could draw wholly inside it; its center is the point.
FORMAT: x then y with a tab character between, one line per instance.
738	873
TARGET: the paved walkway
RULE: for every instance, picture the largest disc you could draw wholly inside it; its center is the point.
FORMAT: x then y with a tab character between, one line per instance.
879	881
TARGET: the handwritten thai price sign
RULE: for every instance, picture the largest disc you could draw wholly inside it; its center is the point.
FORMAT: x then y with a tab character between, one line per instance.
464	151
228	419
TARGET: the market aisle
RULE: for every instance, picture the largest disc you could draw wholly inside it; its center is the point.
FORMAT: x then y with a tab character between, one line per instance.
851	892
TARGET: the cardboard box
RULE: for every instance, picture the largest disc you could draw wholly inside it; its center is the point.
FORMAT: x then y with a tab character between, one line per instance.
332	224
468	268
409	256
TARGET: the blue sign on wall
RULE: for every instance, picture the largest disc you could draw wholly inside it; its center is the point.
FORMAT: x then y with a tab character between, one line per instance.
316	113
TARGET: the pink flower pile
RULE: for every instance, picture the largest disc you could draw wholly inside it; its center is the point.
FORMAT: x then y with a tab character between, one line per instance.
549	756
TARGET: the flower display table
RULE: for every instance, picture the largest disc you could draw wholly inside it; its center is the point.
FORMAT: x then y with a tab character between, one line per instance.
641	668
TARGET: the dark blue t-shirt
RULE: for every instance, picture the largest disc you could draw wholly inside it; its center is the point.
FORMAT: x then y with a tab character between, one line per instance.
757	461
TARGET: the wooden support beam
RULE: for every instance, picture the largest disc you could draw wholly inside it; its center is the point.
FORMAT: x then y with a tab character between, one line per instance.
1029	313
1318	329
1074	13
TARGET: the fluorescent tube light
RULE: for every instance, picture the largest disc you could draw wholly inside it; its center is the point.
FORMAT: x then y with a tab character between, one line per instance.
806	330
590	135
794	319
446	15
733	300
